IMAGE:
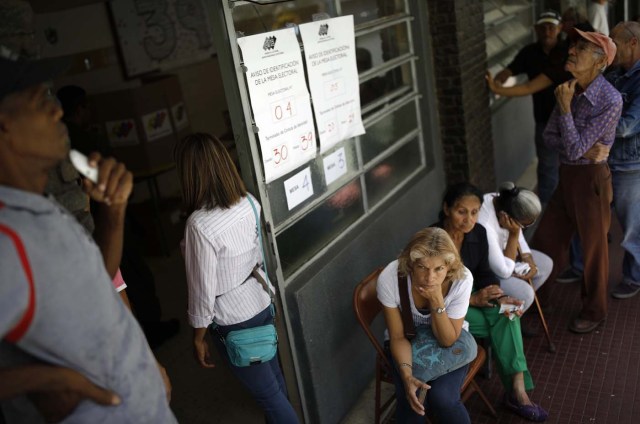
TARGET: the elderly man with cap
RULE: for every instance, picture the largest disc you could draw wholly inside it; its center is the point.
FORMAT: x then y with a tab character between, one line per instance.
624	158
70	349
533	59
587	112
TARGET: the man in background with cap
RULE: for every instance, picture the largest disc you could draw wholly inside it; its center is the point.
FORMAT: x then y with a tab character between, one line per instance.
140	291
587	111
65	333
533	59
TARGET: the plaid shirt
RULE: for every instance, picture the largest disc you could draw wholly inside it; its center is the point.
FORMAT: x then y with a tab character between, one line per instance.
594	116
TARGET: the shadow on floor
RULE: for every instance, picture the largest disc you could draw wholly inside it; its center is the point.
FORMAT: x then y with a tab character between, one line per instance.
200	396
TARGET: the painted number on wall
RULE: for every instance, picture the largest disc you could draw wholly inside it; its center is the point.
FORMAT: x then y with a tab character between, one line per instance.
161	39
161	32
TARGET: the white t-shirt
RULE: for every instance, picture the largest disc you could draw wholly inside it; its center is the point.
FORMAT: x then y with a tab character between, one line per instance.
497	238
456	301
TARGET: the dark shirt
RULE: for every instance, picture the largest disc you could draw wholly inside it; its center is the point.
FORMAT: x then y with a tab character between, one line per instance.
64	184
87	141
475	256
532	60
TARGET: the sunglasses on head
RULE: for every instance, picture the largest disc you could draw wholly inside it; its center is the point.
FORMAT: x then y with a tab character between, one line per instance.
520	224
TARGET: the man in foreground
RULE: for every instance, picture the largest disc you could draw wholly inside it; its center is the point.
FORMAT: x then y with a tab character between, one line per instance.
60	319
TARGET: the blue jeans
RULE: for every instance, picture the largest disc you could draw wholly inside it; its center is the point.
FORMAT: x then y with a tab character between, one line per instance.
443	401
548	165
626	203
264	381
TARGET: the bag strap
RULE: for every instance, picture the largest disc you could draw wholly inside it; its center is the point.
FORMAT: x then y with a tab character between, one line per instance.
262	281
405	308
254	272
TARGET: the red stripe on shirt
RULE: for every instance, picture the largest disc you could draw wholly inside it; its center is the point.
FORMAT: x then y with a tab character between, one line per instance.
16	333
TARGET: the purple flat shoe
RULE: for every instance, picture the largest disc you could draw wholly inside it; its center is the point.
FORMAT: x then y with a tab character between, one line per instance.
528	412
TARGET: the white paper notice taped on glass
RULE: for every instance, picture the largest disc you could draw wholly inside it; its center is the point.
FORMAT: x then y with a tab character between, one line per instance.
298	188
330	54
335	165
279	100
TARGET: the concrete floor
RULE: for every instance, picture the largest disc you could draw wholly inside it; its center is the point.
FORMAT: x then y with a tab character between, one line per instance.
362	412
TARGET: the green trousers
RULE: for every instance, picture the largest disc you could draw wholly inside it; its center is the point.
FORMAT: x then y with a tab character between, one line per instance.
506	343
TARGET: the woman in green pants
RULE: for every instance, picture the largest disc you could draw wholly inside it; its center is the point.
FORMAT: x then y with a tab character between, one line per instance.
460	209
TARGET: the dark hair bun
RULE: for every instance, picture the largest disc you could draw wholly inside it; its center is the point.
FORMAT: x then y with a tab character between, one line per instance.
508	188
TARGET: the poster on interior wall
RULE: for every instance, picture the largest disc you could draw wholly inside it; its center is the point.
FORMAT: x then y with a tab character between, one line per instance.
279	100
180	118
156	124
330	55
161	34
122	132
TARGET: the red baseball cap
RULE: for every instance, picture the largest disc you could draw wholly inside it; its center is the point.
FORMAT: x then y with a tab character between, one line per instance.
600	40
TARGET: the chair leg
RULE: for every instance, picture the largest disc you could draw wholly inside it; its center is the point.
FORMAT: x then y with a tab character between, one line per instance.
552	346
377	400
486	367
477	389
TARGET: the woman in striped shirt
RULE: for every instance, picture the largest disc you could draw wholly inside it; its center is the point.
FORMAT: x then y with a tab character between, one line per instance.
221	252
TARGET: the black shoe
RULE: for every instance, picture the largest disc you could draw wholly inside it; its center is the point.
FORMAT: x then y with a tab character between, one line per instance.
569	275
161	331
583	326
625	290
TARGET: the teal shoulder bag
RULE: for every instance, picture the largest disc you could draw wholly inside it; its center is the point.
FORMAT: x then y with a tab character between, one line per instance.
252	346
